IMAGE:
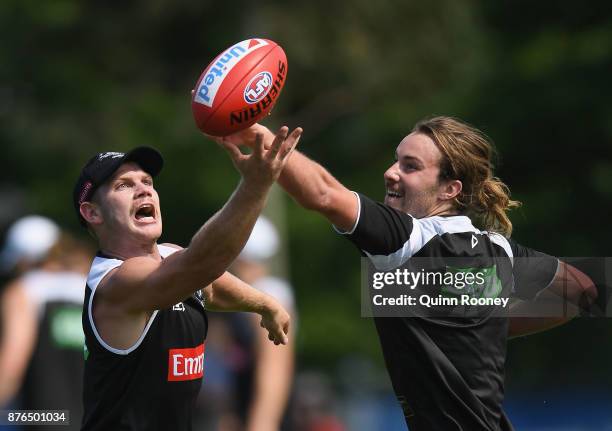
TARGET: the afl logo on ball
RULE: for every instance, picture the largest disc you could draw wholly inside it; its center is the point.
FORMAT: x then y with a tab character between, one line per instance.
258	87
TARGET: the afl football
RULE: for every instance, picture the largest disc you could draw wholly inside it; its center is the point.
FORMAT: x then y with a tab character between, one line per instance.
239	87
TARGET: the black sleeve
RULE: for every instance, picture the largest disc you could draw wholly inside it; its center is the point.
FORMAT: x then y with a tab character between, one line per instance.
380	229
533	270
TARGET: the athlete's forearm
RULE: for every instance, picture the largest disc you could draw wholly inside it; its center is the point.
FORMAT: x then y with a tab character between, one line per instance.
574	286
569	291
309	183
229	293
222	237
525	315
315	188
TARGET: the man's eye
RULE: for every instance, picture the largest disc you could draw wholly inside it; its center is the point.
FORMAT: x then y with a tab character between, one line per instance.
121	186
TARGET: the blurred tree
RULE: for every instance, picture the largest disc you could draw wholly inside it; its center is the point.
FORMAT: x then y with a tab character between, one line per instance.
80	77
545	101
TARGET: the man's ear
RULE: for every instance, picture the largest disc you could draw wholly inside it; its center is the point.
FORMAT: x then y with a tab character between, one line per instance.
91	213
451	189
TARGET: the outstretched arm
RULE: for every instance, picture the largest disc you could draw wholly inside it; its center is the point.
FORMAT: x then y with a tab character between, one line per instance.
128	295
229	293
145	284
309	183
571	290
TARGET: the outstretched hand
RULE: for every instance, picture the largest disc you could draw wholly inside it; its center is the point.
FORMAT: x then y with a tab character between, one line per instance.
262	165
266	162
246	137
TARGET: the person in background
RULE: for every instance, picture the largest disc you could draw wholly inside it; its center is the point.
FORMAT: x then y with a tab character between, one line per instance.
27	242
249	381
41	354
263	386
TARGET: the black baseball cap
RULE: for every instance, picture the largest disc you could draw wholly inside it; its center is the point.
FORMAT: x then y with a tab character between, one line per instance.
102	166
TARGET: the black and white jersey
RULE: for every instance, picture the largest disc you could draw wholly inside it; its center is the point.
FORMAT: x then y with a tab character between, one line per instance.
448	374
53	377
153	384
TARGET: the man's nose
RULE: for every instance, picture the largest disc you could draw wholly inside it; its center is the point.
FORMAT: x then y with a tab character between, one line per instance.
144	190
392	174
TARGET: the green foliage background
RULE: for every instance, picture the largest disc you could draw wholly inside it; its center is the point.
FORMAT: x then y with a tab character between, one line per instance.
81	77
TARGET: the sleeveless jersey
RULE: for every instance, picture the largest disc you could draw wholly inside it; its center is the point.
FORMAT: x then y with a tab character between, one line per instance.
153	384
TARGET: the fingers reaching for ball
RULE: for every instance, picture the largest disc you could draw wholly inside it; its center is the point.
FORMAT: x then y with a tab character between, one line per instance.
278	142
269	155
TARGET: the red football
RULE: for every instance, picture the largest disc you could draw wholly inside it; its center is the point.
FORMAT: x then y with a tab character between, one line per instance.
239	87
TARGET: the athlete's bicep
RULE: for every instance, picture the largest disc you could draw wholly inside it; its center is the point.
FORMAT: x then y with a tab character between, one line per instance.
380	229
125	287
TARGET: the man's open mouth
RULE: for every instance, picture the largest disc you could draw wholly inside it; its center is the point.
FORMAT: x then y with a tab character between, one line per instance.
145	212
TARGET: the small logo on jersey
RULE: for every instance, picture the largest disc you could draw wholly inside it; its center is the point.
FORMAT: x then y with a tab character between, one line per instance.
178	307
186	364
474	241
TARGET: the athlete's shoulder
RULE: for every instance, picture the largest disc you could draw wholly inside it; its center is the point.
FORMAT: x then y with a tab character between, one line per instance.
503	242
100	267
109	270
440	225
